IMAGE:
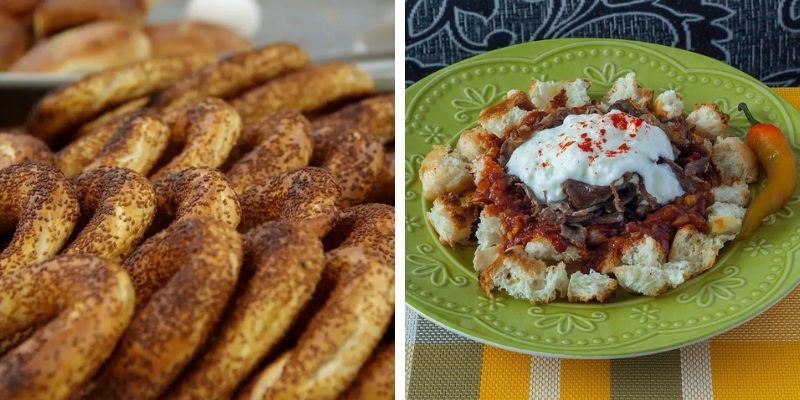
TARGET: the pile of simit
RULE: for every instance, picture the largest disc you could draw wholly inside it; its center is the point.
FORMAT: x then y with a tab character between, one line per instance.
192	228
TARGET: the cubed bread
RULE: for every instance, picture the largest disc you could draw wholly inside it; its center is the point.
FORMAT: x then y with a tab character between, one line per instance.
542	248
443	172
473	144
489	232
725	218
651	280
734	160
453	218
484	258
648	280
696	248
524	277
668	105
543	93
592	286
643	251
736	193
501	117
627	88
708	120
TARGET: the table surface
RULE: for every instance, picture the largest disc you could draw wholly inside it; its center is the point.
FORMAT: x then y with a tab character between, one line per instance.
758	360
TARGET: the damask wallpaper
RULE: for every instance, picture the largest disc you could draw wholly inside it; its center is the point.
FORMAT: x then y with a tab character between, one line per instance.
760	37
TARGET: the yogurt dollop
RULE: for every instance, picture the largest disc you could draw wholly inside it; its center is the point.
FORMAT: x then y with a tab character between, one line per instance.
598	150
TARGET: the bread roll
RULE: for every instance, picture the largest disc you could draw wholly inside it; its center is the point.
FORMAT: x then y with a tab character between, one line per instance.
13	41
191	37
53	16
89	48
18	8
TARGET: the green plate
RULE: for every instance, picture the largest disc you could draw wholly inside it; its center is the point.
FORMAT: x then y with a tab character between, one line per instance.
748	277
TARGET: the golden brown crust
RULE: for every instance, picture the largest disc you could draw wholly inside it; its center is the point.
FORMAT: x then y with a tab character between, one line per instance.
208	130
374	115
41	203
355	159
121	204
341	336
230	76
375	380
88	48
383	189
77	103
114	115
14	39
287	261
77	155
306	196
52	16
65	298
306	90
284	143
17	148
137	145
183	277
367	225
185	37
18	8
197	192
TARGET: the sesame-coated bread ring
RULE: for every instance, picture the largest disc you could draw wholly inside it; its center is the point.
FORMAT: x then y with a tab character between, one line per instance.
374	115
306	90
355	161
230	76
383	189
197	192
115	114
76	103
16	148
341	336
137	145
285	145
307	196
287	262
375	381
183	278
121	204
367	225
41	203
73	158
80	305
208	130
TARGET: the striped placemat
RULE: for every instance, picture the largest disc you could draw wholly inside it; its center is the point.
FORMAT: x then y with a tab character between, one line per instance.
758	360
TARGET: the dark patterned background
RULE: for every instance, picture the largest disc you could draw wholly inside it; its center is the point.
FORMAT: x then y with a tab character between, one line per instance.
760	37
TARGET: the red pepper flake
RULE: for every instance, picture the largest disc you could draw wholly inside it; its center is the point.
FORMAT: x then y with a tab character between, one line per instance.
611	153
544	164
586	145
602	132
632	135
623	148
637	122
619	121
564	145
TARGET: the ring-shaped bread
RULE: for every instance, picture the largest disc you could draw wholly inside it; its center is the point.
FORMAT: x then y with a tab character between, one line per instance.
79	307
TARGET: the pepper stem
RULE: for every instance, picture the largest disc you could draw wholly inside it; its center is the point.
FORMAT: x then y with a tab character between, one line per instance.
743	108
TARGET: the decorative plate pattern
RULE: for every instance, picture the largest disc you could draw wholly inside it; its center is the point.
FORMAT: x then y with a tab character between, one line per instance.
748	277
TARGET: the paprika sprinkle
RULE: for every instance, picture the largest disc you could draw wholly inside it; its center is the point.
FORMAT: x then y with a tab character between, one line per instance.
776	155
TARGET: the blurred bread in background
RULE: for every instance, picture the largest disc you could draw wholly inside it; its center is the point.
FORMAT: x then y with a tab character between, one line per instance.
193	37
14	40
53	16
87	48
19	9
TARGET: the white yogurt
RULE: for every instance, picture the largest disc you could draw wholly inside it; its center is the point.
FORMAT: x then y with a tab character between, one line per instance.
598	150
